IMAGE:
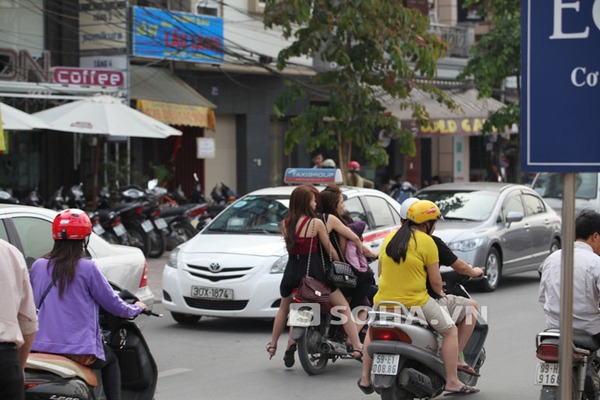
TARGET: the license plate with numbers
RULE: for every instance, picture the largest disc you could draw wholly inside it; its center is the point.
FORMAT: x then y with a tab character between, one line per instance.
201	292
385	364
546	374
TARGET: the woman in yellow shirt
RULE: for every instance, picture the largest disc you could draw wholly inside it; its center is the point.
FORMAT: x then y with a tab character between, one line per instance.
409	259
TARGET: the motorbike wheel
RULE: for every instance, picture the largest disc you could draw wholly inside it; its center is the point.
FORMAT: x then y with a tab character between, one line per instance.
395	392
181	232
110	237
138	238
185	319
158	244
313	362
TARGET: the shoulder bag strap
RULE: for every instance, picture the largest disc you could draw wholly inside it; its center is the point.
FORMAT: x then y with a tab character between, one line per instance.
310	248
44	295
325	218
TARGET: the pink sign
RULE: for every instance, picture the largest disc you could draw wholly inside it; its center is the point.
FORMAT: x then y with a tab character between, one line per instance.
87	76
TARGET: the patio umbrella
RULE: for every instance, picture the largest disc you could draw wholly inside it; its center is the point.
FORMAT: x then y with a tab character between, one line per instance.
14	119
105	115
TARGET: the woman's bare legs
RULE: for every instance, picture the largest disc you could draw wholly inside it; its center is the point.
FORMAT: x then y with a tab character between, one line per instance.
336	298
279	324
449	355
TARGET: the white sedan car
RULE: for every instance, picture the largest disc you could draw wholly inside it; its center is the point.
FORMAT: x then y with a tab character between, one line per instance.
234	266
30	230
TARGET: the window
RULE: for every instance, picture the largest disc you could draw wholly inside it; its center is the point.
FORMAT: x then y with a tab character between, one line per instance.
3	233
35	235
382	212
533	205
512	203
356	210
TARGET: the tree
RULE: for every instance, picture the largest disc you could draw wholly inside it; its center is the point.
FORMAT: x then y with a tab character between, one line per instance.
496	57
379	48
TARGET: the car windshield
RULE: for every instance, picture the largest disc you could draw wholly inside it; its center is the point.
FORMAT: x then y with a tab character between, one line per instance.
463	205
252	214
550	185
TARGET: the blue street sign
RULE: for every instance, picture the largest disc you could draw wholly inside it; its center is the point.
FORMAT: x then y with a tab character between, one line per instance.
560	95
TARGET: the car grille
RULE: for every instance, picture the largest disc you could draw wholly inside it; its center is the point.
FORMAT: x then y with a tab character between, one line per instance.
224	305
204	272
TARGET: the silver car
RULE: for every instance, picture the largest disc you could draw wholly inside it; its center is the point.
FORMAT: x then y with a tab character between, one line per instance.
504	228
30	230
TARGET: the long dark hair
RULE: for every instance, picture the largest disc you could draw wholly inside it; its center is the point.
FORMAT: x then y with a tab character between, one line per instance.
299	205
398	245
330	197
64	256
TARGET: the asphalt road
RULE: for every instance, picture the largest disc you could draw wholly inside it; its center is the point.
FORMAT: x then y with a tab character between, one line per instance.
225	358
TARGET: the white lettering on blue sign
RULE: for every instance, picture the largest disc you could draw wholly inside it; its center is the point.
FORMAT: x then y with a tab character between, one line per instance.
580	77
559	7
312	175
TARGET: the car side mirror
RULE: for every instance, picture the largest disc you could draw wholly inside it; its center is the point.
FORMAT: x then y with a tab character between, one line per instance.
514	216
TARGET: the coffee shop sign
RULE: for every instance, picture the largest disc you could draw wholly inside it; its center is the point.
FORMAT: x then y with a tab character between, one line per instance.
25	67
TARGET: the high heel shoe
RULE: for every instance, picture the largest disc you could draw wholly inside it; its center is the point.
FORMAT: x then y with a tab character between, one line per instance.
271	349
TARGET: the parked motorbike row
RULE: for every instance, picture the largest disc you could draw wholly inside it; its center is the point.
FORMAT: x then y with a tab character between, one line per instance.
152	219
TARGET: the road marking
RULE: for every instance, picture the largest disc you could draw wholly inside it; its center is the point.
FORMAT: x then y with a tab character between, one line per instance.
173	371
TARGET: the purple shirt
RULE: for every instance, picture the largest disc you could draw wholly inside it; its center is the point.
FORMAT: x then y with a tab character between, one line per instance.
69	325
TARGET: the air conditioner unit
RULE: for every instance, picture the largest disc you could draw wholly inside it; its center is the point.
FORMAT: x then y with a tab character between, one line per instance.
208	7
256	6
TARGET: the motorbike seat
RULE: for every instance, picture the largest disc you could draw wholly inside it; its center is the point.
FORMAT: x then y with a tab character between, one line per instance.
585	340
61	366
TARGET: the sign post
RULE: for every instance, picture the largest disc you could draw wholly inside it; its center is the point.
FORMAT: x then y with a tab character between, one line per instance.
560	124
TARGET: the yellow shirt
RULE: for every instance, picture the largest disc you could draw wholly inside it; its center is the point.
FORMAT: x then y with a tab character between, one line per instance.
406	282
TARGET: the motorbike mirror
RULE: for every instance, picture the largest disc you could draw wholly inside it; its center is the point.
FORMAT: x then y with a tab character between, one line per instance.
196	177
152	183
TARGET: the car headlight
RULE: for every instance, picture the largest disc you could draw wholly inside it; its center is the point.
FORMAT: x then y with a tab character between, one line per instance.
172	260
466	245
279	265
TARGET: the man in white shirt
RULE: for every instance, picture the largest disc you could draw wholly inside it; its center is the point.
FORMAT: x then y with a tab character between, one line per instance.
18	321
586	278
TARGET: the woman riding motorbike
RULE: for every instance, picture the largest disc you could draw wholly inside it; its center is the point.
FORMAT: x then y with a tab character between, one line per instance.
69	290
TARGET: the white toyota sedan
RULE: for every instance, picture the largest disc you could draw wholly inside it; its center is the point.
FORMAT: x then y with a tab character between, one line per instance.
30	230
234	266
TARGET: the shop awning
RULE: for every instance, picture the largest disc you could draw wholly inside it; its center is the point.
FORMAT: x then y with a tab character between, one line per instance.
167	98
467	119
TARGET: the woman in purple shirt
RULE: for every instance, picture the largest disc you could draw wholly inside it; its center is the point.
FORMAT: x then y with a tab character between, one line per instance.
68	291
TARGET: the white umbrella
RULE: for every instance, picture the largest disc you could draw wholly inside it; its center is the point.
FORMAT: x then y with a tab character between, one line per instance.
105	115
14	119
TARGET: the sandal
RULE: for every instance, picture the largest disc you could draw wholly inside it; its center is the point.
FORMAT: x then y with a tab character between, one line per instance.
360	354
467	370
288	357
365	389
463	391
271	349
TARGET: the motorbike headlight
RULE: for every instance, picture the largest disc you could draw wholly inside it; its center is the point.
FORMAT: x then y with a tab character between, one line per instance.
172	260
466	245
279	265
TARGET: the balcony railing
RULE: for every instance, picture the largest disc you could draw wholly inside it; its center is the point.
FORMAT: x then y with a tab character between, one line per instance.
459	39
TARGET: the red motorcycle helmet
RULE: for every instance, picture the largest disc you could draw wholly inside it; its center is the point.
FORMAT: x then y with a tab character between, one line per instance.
71	224
354	166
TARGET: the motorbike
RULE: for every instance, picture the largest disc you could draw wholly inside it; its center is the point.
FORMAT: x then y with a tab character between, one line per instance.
111	227
50	377
154	227
406	350
221	195
586	365
57	201
6	197
318	340
75	197
34	199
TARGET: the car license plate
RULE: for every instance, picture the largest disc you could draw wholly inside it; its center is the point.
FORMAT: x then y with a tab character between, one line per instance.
147	226
546	374
385	364
302	317
119	230
98	229
202	292
160	224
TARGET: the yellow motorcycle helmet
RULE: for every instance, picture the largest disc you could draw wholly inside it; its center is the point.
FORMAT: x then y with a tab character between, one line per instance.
423	211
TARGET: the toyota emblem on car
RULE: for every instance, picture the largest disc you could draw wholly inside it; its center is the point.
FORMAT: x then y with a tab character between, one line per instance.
214	267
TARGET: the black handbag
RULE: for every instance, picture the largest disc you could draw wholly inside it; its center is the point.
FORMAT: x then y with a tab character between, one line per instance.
310	289
339	273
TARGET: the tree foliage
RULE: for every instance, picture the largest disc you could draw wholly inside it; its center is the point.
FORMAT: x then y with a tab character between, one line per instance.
497	56
379	49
